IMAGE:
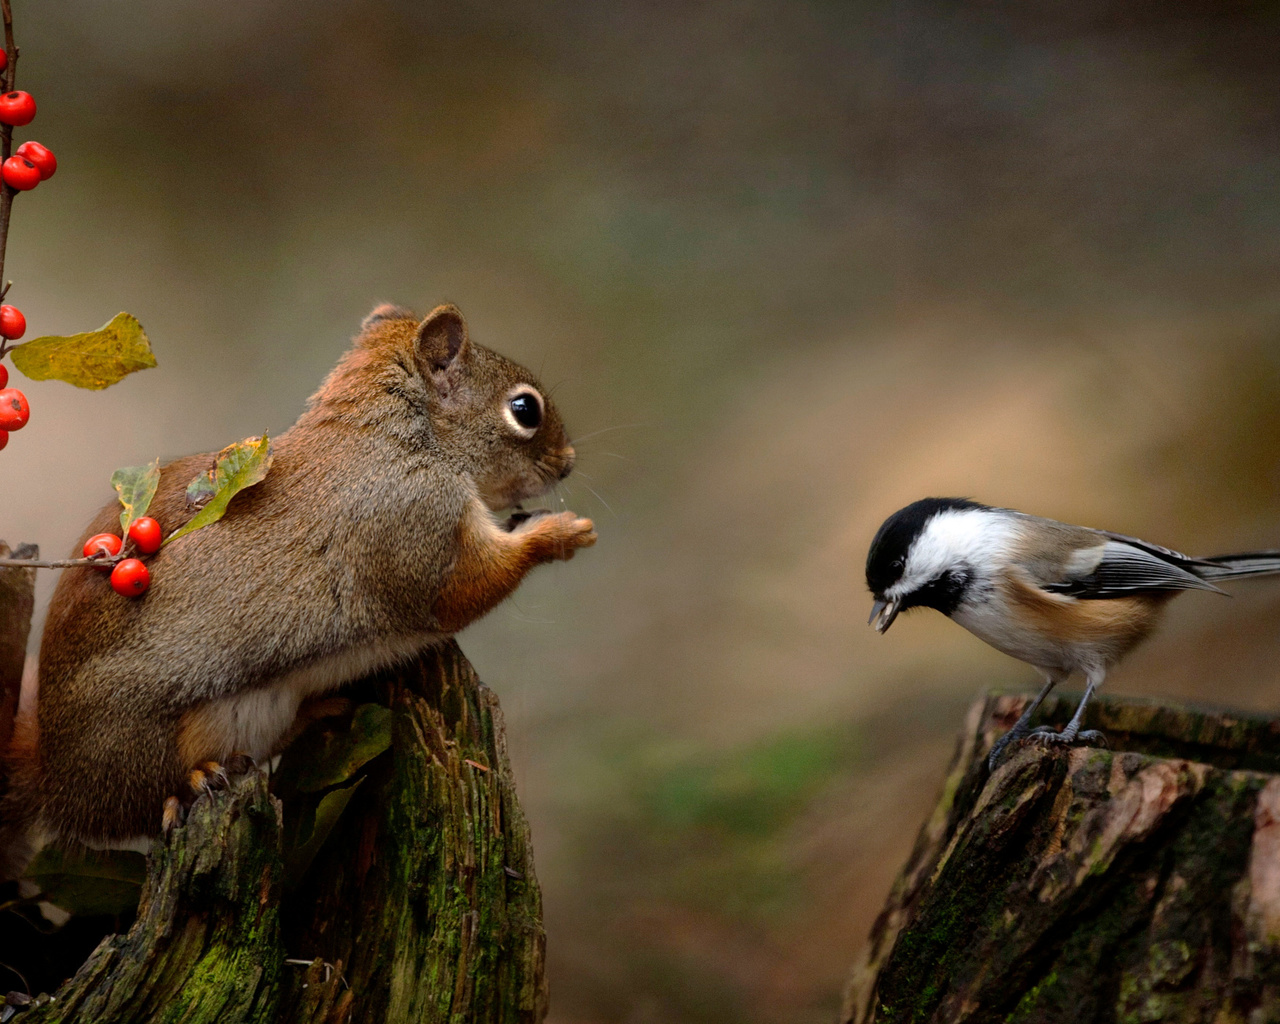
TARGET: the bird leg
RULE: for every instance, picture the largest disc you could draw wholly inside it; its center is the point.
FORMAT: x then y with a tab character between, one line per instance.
1021	727
1072	734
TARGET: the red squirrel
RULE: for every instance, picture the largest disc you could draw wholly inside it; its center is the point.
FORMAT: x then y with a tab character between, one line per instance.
373	536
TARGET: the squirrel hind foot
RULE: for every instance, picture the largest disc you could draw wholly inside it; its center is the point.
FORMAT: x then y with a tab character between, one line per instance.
211	776
172	815
207	777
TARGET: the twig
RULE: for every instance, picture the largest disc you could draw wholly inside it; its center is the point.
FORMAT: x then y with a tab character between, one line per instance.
62	563
6	143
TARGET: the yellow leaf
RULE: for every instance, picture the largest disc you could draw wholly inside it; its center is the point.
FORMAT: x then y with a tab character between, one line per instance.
94	360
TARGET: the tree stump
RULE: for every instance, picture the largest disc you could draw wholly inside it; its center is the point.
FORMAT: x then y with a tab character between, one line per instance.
1140	883
391	881
17	601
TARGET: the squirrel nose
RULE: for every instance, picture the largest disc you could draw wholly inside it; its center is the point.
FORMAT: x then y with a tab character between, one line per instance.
567	456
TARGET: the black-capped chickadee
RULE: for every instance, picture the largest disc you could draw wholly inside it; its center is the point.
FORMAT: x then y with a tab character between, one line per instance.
1061	598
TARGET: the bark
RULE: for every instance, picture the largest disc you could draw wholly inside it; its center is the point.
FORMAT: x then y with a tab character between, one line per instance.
205	947
1140	883
421	905
437	869
17	600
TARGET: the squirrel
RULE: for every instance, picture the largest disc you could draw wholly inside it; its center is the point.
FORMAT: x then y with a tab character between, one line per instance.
373	536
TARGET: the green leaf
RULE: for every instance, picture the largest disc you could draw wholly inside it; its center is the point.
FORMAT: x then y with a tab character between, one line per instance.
94	360
92	882
136	486
326	816
240	465
335	757
201	489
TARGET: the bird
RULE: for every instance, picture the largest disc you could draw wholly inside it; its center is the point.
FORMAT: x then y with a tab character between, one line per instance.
1058	597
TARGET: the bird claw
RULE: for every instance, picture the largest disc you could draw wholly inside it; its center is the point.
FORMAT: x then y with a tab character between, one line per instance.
1048	736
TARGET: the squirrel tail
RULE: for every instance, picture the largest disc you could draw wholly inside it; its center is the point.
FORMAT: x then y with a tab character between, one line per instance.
19	798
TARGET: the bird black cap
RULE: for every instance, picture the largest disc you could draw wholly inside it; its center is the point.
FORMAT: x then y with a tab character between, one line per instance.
888	554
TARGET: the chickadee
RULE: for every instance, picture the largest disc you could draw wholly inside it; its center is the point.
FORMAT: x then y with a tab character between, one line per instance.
1061	598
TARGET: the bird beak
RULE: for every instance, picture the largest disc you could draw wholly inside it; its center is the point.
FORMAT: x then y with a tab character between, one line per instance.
886	612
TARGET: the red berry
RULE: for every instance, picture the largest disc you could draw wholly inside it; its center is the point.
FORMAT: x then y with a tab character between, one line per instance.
4	438
4	59
130	578
42	156
20	173
17	108
14	411
145	532
4	370
12	323
102	544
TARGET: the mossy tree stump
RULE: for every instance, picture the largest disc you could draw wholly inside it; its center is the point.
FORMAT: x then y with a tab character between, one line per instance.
1139	883
17	600
415	902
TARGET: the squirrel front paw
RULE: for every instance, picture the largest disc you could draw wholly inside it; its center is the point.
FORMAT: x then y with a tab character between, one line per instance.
559	534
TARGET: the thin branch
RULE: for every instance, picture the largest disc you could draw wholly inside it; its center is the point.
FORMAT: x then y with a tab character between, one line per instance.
62	563
6	137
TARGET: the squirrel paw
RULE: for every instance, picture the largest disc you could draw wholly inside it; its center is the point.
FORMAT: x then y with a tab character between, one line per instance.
173	815
564	533
210	776
207	777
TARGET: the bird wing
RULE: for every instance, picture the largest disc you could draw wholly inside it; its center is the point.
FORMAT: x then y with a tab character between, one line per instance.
1128	566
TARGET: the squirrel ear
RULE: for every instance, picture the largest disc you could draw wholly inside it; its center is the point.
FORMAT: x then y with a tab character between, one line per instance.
386	311
442	337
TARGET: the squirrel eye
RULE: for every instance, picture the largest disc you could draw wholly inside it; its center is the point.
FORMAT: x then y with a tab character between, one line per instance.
524	411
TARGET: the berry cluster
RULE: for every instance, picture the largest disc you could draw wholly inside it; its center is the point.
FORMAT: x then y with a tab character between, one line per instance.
30	165
129	577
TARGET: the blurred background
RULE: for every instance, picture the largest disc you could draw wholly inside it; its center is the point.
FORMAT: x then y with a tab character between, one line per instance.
788	266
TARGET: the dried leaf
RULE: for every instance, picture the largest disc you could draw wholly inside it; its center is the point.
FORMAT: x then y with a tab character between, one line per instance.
94	360
136	486
93	882
240	465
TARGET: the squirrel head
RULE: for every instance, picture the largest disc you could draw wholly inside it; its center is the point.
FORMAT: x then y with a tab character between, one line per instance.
427	385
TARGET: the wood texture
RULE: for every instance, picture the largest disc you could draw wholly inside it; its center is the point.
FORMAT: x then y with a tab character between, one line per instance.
206	943
1140	883
421	905
17	601
438	866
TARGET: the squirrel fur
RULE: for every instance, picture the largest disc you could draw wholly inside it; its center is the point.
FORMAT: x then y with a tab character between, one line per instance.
372	537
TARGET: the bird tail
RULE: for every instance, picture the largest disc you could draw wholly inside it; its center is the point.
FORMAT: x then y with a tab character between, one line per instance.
1251	563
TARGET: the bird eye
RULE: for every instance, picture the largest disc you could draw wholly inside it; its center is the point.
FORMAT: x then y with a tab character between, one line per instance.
524	412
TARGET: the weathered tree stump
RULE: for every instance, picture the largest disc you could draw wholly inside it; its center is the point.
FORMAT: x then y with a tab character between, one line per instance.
205	947
17	600
436	868
1140	883
391	882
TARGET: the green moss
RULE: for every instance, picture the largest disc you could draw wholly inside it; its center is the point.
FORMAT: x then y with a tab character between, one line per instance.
1027	1005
